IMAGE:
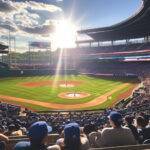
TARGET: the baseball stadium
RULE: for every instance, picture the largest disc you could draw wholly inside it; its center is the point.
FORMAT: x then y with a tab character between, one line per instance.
49	73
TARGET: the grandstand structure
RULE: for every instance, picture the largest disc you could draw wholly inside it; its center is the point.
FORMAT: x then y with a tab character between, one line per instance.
3	50
120	47
136	26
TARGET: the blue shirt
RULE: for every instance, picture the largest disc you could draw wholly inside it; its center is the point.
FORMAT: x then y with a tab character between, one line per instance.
28	146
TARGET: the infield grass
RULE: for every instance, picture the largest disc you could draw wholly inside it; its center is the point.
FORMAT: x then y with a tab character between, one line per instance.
92	85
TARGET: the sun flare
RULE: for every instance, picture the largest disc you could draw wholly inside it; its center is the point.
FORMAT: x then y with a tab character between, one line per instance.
65	34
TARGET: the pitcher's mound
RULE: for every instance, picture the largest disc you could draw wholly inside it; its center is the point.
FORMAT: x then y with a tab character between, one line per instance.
73	95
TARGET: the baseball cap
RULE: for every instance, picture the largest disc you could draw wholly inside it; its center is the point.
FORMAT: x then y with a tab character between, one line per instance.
72	130
115	116
39	130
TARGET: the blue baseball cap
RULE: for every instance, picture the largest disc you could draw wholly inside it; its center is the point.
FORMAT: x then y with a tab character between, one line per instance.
115	116
72	130
38	131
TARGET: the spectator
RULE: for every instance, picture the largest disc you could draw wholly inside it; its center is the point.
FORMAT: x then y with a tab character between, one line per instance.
17	131
88	128
72	139
94	139
11	129
3	141
129	123
144	132
117	135
37	134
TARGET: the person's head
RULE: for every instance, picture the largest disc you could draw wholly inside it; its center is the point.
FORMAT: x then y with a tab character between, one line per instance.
115	119
129	119
88	128
146	117
72	136
11	127
38	132
140	121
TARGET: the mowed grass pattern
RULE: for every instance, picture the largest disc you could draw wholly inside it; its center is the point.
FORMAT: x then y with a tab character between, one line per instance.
95	86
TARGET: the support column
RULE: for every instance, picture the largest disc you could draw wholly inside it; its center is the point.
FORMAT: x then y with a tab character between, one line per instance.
29	57
112	43
9	41
50	55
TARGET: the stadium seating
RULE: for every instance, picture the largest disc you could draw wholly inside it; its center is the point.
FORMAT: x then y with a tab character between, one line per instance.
53	140
131	147
3	65
111	49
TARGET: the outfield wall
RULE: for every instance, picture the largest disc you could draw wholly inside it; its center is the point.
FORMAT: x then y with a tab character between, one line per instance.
41	72
33	72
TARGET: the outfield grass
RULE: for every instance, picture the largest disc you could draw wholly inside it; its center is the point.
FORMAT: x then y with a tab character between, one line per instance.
95	86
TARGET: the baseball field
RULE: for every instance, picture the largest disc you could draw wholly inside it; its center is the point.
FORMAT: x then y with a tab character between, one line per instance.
71	92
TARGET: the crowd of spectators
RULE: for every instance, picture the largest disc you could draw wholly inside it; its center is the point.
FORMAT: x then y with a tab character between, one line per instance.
110	48
114	67
3	65
122	125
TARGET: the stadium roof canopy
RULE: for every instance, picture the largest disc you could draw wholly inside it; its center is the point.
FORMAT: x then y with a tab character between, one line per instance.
137	26
3	49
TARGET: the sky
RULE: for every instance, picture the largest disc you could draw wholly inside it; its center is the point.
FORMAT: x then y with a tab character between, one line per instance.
37	20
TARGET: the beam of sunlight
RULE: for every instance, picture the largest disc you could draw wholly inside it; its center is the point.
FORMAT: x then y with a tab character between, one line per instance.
65	66
57	74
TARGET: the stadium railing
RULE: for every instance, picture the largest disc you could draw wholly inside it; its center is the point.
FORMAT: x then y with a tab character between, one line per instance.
51	140
128	147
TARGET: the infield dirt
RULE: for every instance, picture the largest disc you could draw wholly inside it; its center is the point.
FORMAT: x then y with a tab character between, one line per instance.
97	101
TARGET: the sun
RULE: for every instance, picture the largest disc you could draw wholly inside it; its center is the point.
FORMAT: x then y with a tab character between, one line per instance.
65	34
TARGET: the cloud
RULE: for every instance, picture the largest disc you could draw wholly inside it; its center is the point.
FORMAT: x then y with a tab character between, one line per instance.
43	29
42	6
7	25
30	17
54	2
7	6
26	19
